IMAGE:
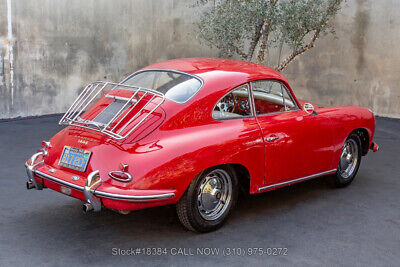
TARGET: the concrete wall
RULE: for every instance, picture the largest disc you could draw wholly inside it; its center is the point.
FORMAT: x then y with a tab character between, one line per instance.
362	66
59	46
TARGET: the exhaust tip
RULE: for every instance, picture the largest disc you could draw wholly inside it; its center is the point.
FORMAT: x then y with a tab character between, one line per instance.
29	185
124	212
87	207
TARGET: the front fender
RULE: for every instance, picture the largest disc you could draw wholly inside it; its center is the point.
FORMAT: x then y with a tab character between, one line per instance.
345	120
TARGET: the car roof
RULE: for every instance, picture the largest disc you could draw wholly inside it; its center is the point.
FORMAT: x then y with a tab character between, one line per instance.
219	77
225	67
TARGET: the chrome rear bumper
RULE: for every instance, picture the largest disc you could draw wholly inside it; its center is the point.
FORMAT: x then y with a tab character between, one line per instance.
92	202
93	181
30	169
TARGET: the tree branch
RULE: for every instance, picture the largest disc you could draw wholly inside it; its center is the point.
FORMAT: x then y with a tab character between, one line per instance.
332	9
238	51
263	44
231	47
298	51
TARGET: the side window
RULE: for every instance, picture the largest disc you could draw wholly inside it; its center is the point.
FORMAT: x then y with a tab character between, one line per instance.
235	104
271	96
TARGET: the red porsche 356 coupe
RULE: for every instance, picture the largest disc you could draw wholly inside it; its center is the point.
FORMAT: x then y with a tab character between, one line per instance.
192	132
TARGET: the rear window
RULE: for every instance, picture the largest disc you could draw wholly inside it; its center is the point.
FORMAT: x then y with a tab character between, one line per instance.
176	86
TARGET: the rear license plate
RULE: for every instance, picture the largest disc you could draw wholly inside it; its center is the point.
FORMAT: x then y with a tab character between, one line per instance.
75	158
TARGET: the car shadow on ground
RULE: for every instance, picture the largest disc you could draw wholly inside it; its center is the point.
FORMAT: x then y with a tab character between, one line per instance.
66	221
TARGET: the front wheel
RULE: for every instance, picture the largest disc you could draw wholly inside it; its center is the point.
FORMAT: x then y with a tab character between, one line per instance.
209	199
349	163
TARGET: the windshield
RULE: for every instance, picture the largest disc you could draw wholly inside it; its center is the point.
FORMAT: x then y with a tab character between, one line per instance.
176	86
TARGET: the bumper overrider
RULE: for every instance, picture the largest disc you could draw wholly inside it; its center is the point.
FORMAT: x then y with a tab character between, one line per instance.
94	196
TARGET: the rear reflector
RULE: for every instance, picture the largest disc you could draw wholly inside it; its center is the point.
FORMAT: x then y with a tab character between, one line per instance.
374	147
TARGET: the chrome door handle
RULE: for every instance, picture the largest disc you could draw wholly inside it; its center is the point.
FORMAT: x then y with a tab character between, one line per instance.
272	138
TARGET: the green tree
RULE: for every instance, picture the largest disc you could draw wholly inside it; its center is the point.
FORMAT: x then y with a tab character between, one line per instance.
251	28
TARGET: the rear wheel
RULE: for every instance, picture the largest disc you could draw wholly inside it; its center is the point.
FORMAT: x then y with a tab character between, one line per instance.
209	199
349	163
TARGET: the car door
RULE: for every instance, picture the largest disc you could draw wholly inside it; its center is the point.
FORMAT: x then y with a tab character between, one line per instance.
297	144
234	114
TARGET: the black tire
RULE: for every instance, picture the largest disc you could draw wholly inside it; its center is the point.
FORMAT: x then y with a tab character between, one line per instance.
341	178
188	209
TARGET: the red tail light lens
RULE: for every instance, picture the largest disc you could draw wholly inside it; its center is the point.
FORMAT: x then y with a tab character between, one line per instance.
120	176
46	144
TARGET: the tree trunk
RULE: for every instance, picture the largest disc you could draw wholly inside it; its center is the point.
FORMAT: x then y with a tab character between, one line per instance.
254	41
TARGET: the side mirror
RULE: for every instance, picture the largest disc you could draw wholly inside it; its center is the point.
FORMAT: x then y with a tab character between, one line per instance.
309	108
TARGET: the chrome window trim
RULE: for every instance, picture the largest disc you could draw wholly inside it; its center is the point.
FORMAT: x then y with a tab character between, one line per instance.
250	102
105	194
237	118
277	112
170	70
297	180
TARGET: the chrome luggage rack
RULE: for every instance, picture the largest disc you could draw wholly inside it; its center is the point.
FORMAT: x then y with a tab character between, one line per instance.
95	90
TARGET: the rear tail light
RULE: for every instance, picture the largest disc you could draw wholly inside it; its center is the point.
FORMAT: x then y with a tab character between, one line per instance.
120	176
46	145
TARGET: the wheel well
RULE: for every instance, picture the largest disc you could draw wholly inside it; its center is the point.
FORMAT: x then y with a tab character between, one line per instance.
364	138
242	173
243	176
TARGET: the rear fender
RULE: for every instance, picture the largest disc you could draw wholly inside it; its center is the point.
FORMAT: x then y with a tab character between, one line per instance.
181	156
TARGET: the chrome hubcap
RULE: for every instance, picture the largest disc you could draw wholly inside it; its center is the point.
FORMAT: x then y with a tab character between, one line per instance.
348	159
214	194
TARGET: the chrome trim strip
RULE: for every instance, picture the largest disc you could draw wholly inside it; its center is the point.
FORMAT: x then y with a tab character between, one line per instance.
105	194
134	198
296	180
59	181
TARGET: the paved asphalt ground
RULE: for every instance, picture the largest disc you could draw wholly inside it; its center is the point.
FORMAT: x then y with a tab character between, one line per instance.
355	226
